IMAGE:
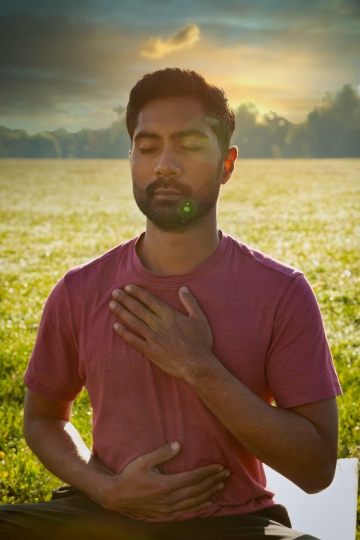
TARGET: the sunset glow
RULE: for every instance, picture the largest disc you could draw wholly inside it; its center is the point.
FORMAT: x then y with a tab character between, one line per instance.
69	64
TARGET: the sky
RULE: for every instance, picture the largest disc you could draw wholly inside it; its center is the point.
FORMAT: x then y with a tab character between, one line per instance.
69	63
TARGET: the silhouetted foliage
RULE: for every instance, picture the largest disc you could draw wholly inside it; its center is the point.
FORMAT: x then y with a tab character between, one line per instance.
331	130
334	128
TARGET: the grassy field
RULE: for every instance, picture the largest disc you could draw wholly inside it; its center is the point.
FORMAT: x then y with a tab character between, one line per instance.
56	214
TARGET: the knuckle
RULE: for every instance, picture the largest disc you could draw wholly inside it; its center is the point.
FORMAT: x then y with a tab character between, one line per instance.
129	337
200	499
165	503
167	511
134	322
162	489
144	296
140	310
157	336
198	477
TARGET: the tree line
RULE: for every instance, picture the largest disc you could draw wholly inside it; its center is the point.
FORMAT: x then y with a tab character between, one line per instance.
331	130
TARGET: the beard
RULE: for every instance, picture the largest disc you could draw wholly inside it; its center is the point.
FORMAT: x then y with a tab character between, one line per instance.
181	214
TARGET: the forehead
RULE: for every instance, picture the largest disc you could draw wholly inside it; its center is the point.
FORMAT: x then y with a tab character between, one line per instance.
169	115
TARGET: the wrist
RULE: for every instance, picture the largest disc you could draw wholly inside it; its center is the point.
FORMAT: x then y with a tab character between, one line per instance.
204	370
102	489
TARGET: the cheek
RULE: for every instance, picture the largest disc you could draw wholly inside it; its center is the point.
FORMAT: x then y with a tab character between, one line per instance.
208	169
140	171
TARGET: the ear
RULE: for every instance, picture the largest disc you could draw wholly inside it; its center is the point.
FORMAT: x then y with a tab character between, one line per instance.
229	163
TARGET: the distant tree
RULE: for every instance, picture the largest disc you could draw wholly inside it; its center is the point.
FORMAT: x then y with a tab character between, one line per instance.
13	143
277	131
296	144
87	143
331	130
334	127
43	145
250	134
66	143
114	142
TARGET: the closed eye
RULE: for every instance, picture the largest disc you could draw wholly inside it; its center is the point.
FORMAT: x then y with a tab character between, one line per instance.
192	148
147	150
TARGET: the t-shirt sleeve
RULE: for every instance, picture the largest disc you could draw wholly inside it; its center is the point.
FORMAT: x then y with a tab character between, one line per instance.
299	365
53	369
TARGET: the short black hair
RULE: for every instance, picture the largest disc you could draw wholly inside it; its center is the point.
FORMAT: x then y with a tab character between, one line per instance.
176	82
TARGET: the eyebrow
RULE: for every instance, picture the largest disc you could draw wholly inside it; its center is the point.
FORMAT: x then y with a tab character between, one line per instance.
177	135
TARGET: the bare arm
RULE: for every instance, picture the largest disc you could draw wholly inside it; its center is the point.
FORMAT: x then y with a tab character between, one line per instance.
58	444
300	443
139	490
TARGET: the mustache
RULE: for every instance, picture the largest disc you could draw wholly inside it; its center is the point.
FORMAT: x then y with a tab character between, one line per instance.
167	184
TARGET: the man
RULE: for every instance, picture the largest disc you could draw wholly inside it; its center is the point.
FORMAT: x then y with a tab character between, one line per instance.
183	338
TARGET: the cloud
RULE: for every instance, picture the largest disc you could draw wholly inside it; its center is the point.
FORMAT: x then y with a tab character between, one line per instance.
70	63
185	38
55	68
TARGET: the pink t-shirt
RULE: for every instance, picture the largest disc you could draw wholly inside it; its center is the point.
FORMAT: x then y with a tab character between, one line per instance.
267	331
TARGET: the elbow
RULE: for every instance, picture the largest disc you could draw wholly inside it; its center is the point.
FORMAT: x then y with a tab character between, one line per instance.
317	480
26	427
28	430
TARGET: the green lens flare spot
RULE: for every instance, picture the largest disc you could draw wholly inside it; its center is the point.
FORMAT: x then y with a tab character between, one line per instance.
187	209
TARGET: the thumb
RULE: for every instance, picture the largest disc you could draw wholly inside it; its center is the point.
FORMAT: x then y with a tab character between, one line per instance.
164	453
190	303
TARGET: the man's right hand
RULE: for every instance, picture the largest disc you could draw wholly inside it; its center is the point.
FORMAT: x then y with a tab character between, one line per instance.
142	491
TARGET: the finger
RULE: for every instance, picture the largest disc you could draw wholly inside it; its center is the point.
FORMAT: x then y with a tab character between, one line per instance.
198	508
198	496
196	476
133	324
132	306
160	455
201	491
135	341
203	499
191	304
152	302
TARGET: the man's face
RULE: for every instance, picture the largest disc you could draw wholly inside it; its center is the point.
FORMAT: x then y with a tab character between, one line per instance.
176	163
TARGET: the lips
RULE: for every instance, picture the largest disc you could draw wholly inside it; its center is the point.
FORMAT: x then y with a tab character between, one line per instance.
166	192
165	189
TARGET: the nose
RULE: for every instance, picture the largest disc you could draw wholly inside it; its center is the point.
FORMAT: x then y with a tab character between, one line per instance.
167	166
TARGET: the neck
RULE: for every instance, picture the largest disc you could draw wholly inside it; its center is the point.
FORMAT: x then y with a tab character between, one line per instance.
171	253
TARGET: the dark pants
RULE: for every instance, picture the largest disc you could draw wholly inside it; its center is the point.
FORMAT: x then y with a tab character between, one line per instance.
71	515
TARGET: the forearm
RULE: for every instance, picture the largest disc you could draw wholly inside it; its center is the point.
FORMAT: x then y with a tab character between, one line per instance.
286	441
140	490
60	447
300	443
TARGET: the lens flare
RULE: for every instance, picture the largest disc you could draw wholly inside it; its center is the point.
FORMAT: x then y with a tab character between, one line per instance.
187	209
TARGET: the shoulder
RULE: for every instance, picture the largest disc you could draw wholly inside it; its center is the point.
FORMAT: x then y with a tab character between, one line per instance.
102	266
259	263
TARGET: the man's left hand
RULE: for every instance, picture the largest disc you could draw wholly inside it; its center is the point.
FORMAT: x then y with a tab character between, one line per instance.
178	344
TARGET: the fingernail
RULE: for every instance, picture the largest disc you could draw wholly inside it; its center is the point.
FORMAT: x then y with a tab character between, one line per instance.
221	486
227	474
112	305
175	446
220	468
184	289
